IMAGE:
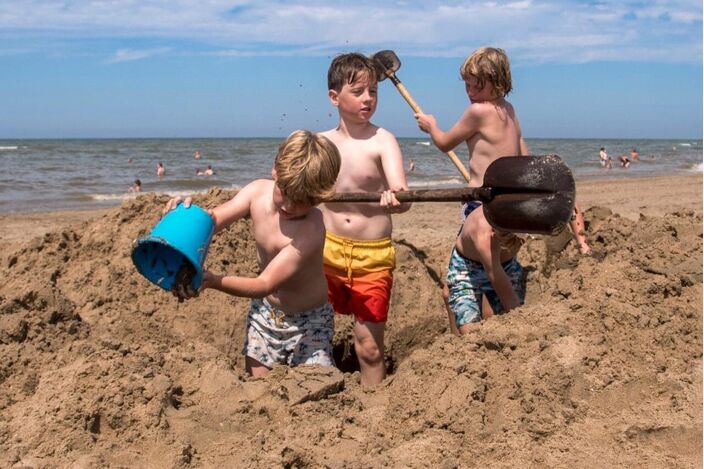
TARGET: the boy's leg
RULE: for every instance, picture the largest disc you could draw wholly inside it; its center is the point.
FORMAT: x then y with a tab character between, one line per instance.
486	311
450	314
255	368
369	346
463	298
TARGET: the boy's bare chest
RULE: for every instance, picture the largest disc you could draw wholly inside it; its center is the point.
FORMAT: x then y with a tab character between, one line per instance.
269	237
360	172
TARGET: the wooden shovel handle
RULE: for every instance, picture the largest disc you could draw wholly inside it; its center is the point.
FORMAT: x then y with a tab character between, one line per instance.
416	108
424	195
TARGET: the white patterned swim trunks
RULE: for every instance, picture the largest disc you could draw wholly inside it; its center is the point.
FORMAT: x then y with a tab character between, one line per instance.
294	339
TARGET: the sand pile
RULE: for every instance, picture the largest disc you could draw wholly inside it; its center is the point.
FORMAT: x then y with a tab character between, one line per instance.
601	367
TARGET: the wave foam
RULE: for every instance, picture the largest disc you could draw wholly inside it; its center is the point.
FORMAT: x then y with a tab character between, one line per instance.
437	183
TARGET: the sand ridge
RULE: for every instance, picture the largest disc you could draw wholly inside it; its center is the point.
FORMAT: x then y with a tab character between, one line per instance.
602	366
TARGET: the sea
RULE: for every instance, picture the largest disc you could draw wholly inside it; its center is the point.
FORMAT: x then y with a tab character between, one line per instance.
49	175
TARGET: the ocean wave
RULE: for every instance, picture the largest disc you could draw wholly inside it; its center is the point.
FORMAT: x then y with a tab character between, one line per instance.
685	144
427	144
186	193
8	148
108	197
452	182
696	168
132	195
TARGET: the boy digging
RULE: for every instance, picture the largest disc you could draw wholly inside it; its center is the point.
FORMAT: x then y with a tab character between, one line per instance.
483	261
290	319
359	257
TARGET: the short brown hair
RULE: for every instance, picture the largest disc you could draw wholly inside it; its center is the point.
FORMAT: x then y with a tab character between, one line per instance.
306	166
489	64
346	68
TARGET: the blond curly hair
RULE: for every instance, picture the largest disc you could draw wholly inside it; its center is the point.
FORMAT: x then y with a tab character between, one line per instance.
489	64
306	167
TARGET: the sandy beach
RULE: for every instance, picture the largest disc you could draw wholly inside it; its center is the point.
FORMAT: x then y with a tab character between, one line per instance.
601	367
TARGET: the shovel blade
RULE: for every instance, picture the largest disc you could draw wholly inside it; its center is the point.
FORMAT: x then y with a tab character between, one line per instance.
386	60
532	194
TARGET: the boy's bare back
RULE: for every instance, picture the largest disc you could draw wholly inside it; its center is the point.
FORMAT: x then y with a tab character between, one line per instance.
497	134
491	130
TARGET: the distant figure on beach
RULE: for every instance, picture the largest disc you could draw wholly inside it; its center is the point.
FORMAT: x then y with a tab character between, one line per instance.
160	170
205	172
604	158
290	318
625	162
634	154
136	187
196	155
483	261
129	161
411	166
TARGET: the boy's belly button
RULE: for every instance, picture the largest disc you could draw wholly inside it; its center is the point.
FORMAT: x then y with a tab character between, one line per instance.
347	220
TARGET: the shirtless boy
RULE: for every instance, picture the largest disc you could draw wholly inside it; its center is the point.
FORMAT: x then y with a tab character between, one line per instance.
359	257
483	261
290	318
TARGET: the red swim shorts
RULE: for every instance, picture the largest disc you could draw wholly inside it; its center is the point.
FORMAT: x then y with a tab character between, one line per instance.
359	275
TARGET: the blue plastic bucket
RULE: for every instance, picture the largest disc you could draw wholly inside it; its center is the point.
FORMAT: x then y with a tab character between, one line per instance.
179	242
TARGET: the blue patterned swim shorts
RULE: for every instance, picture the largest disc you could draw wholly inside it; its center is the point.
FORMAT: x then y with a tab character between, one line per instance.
468	282
294	339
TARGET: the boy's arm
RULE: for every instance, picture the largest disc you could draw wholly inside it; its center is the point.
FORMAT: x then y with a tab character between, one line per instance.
465	127
392	164
224	214
489	250
286	264
524	148
237	207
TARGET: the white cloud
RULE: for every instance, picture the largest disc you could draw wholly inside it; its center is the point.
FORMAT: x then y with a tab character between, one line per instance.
572	28
129	55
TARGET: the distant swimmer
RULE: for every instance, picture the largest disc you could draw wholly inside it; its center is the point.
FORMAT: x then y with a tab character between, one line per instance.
411	166
634	154
196	155
136	187
625	162
604	158
160	170
206	172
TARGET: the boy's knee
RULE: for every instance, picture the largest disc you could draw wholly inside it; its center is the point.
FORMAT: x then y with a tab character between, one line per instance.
368	351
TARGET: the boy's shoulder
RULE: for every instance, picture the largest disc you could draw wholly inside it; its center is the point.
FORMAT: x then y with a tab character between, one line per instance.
256	189
489	107
259	184
309	231
382	133
370	132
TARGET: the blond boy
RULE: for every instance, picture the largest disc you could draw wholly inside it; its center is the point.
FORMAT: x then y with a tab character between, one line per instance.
483	262
290	318
359	257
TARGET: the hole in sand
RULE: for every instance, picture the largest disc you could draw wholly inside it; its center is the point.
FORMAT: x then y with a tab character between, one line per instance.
346	358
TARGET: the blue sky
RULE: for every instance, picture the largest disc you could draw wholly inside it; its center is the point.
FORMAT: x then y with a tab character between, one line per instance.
211	68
